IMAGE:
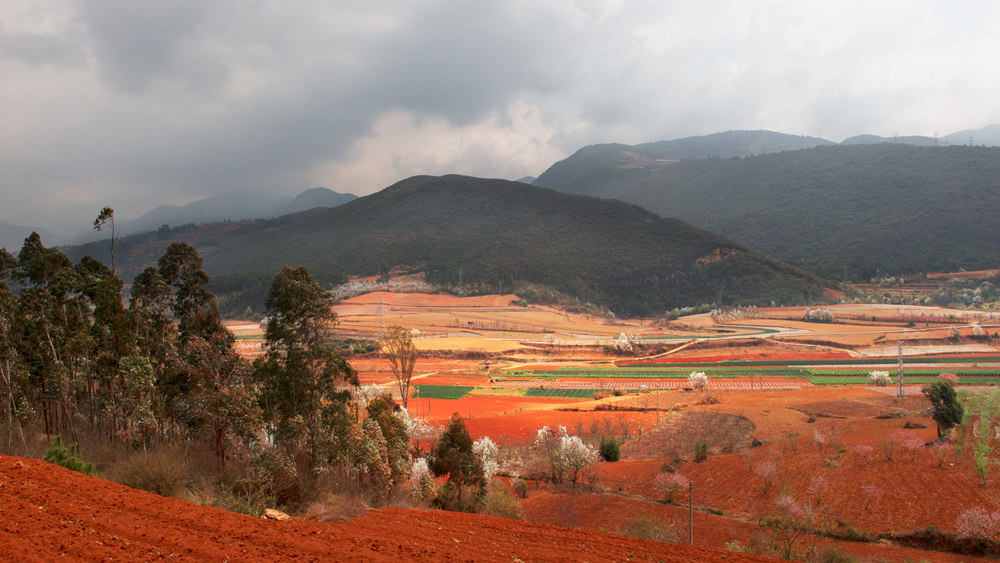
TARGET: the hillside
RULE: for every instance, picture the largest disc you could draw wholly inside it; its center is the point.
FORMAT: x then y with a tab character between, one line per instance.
53	514
888	207
494	234
583	172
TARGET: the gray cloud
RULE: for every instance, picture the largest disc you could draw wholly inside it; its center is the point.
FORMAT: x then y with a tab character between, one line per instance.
134	104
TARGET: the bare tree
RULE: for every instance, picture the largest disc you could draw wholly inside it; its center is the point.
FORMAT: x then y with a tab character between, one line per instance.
397	345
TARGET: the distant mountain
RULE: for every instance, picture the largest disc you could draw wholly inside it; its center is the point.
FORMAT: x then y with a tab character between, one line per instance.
315	197
527	180
232	206
988	136
12	237
864	207
916	140
582	173
500	234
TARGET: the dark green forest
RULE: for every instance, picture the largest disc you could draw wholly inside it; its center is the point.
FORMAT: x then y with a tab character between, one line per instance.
863	208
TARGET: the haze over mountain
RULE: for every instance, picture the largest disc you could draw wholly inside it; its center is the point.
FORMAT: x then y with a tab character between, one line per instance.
864	207
12	236
499	234
233	206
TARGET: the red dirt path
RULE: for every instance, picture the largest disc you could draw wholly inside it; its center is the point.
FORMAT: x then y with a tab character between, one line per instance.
48	513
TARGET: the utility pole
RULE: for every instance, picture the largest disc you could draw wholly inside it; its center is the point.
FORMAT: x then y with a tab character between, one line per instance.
690	513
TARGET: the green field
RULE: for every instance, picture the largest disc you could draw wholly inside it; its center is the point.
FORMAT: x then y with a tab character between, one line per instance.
451	392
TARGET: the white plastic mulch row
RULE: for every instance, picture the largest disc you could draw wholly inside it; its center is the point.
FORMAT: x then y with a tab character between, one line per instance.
658	384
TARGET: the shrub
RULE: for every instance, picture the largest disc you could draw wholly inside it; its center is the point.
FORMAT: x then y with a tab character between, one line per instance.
670	483
609	450
700	452
163	473
67	457
880	378
501	502
650	528
887	447
520	487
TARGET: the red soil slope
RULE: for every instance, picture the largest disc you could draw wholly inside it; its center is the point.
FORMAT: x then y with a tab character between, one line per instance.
50	514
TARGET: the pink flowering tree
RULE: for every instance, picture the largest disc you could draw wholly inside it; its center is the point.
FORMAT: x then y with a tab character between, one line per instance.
670	483
767	470
978	523
872	492
865	451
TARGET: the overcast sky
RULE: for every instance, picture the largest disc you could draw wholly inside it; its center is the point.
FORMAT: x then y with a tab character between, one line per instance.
133	104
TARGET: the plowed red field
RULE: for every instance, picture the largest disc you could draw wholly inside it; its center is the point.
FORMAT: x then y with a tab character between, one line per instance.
51	514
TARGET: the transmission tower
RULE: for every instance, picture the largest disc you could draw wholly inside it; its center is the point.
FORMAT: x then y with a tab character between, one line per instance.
380	320
899	375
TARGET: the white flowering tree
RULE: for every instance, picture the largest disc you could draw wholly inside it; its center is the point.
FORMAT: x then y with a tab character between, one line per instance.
489	453
422	485
698	380
880	378
563	455
575	457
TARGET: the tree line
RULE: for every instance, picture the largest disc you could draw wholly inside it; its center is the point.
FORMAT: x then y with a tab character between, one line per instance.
78	359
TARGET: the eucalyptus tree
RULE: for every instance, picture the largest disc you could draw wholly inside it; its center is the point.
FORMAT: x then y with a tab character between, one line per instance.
11	365
304	398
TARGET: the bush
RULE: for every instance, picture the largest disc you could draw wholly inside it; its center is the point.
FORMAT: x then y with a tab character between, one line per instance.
650	528
700	452
520	487
67	457
610	450
501	502
161	472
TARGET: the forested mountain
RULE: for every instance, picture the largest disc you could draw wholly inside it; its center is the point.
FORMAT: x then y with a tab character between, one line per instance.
888	207
500	233
582	173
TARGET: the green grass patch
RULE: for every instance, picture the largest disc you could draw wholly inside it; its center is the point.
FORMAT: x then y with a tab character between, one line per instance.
451	392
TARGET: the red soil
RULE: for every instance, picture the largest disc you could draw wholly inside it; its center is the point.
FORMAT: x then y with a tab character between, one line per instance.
51	514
